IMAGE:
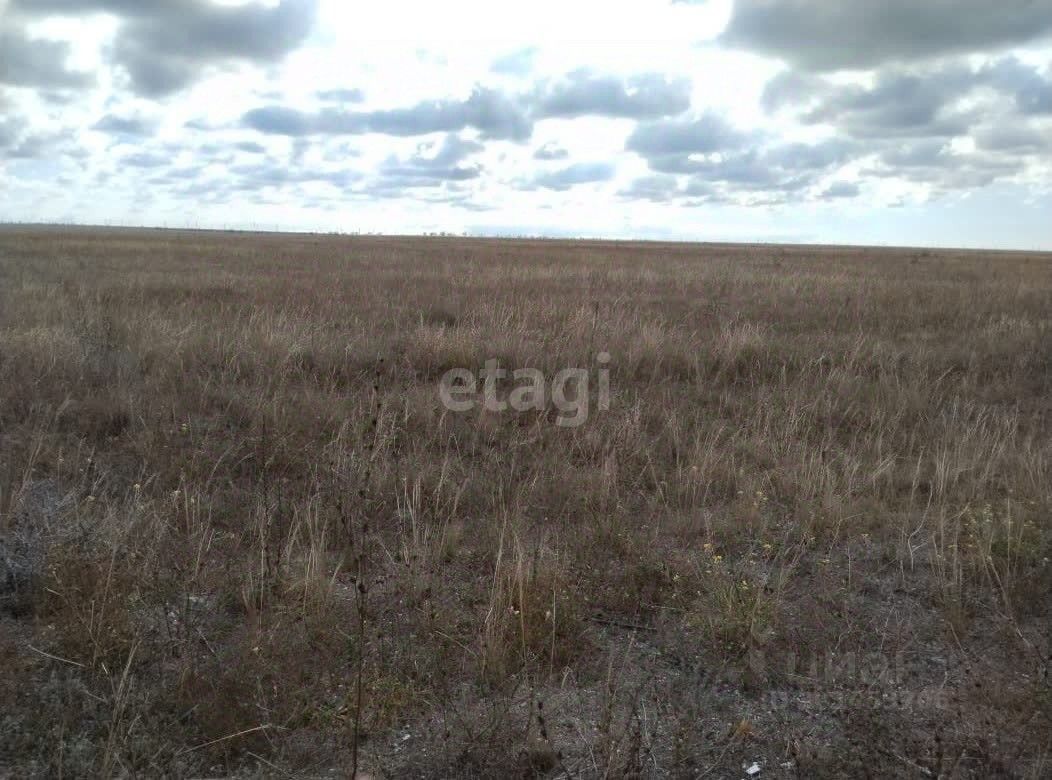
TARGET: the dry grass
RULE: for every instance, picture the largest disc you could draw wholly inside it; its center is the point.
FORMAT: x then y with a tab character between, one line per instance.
240	535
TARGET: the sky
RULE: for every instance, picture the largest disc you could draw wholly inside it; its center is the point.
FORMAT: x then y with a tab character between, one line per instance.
888	122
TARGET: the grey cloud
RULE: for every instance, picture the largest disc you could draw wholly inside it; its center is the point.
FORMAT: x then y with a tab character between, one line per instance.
922	154
750	171
154	76
841	189
572	175
696	135
425	191
201	124
338	152
425	169
278	120
583	93
494	115
822	155
10	132
659	187
1015	138
701	191
453	151
899	104
912	103
1037	100
1032	90
185	173
669	146
937	165
276	176
31	148
18	141
550	152
164	46
825	35
516	63
794	89
145	160
121	125
250	147
340	95
77	7
906	119
39	64
724	162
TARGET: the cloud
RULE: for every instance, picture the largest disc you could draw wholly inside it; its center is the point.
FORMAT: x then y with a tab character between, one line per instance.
899	104
34	147
949	170
934	162
254	177
791	88
278	120
516	63
694	135
257	181
145	160
250	147
817	156
165	46
918	124
658	187
1014	138
751	171
923	154
725	164
36	63
573	175
426	169
494	115
10	132
122	125
340	95
1031	90
671	145
550	151
841	189
18	140
583	93
928	102
827	35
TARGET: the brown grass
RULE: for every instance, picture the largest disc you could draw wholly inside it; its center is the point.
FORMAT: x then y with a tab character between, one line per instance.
240	535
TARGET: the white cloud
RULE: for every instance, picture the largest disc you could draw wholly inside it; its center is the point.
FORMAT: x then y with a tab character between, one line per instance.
590	117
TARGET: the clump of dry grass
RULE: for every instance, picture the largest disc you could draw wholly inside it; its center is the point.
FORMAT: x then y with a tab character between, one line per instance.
239	533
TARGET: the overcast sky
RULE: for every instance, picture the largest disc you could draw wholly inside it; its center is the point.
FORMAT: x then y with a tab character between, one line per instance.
924	122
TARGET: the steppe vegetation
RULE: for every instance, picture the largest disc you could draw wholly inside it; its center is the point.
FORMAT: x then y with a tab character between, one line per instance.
239	534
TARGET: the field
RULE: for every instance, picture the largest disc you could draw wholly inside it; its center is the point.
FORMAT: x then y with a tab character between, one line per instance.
241	535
